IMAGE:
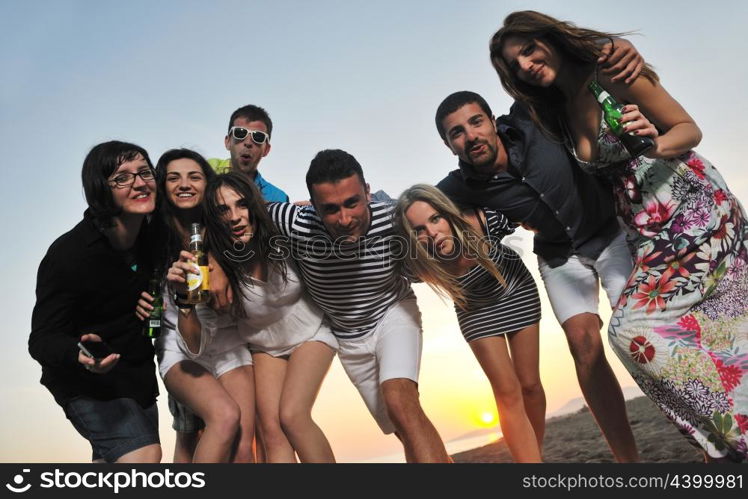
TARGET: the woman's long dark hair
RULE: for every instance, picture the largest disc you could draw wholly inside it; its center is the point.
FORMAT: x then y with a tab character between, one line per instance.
171	234
233	256
576	45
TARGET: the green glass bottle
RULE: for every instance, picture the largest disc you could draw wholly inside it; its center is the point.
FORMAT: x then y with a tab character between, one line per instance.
152	326
634	144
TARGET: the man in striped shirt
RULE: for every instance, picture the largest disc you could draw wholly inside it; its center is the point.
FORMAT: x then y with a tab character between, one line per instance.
346	252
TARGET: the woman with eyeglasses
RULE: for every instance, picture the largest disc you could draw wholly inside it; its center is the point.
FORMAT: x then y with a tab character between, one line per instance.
460	256
679	325
86	287
292	347
218	387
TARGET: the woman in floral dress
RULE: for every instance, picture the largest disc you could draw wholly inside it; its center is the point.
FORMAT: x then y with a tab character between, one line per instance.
681	324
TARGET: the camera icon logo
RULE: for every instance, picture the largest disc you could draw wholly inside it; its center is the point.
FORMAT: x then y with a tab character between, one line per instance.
18	481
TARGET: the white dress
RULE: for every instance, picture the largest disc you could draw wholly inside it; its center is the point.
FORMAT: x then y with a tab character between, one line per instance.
281	316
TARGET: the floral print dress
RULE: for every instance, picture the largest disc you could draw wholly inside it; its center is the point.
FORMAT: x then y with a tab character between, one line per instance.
681	324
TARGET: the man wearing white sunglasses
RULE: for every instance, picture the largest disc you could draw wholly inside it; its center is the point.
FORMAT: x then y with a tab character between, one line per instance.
248	141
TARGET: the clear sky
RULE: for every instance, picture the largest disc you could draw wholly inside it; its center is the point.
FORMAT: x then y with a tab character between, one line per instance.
364	76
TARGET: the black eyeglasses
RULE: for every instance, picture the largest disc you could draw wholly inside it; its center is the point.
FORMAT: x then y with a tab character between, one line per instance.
240	133
126	179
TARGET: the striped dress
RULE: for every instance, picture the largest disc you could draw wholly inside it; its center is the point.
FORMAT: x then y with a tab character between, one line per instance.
494	309
355	284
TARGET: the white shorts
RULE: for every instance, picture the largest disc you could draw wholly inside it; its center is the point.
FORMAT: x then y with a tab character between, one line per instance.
392	350
573	287
323	335
221	348
169	354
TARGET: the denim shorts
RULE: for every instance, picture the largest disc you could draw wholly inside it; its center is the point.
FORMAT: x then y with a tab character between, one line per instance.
113	427
185	421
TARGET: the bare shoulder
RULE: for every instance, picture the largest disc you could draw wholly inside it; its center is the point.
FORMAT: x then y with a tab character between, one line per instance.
653	100
641	88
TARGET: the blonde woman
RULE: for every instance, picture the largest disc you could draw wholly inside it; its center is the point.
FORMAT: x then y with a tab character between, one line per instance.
460	256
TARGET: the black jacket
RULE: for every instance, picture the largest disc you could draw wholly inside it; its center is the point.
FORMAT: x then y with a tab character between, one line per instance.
85	286
543	189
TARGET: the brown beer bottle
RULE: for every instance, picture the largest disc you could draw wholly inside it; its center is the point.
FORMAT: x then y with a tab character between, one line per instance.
198	287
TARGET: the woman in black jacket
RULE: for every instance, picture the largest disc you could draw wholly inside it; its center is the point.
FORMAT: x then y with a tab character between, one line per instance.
87	285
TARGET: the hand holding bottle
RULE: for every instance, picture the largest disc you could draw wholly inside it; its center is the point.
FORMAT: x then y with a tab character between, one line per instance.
177	273
635	122
143	308
613	114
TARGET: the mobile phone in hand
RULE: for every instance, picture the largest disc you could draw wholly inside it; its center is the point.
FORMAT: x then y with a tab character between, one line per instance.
96	350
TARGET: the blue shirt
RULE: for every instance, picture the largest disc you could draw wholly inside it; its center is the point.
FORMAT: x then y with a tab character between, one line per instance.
270	192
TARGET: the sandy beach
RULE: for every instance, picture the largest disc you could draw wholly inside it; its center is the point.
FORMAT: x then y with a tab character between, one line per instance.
575	438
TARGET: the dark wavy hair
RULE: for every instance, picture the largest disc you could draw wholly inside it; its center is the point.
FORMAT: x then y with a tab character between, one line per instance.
580	46
101	161
234	257
250	112
171	234
332	165
455	101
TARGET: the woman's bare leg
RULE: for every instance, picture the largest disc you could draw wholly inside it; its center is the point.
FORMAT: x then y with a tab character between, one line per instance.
192	385
270	373
306	370
525	348
493	356
240	384
148	454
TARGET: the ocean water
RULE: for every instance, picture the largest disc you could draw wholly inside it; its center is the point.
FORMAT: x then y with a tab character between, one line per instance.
453	447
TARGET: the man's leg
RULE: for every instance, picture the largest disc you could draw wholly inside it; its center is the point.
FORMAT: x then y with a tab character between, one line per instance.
398	351
387	360
601	389
420	439
573	292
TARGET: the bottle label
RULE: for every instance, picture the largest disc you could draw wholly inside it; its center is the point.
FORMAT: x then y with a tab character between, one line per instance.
198	280
194	280
154	323
195	238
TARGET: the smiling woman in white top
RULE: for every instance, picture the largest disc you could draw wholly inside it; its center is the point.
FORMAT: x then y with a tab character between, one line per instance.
218	389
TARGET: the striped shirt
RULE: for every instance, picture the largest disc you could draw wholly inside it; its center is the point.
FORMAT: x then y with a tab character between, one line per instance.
354	283
493	308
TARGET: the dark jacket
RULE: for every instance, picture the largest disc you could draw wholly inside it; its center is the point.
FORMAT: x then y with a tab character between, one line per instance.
543	189
85	286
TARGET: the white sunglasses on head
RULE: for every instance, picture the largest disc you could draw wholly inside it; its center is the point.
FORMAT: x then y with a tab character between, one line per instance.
240	133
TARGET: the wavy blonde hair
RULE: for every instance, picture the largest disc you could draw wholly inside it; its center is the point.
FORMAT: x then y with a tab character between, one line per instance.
417	261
